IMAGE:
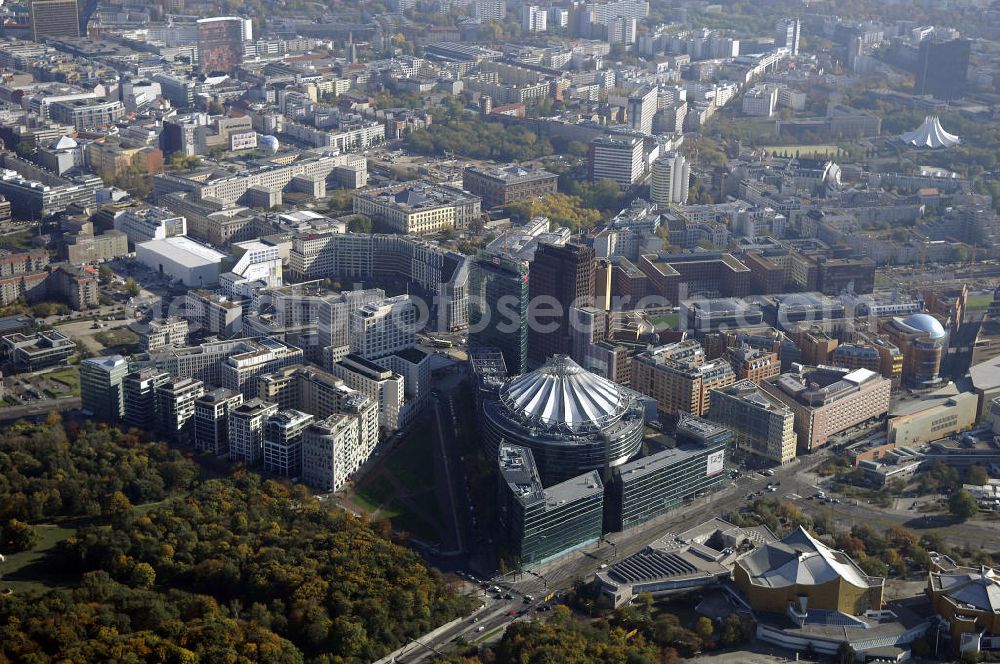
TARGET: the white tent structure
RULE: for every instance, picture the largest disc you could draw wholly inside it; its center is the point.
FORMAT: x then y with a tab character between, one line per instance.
930	135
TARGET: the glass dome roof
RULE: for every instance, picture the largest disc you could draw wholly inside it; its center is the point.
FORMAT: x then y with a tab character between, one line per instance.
925	323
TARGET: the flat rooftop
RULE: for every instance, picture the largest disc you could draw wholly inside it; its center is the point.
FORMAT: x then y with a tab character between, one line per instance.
700	428
184	251
518	470
576	488
654	463
750	392
412	355
512	173
986	375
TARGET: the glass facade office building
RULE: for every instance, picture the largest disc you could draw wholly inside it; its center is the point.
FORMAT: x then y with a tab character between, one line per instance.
540	524
498	308
651	486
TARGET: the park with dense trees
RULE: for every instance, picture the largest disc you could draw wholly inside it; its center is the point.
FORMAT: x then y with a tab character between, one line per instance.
633	634
168	566
162	560
49	471
102	620
476	139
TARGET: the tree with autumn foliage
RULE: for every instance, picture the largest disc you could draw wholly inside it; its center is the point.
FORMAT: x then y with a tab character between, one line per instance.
317	576
561	210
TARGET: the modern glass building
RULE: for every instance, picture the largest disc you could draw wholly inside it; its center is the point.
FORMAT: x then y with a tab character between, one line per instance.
762	425
498	308
563	274
101	387
139	388
942	68
572	420
924	343
648	487
539	524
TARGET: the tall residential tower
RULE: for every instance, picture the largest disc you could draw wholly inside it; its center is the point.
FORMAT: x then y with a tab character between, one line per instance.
671	179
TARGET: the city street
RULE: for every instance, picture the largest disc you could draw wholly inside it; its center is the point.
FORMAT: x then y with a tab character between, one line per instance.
797	481
42	407
539	582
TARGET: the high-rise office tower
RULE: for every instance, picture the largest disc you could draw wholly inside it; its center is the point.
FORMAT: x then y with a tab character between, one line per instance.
54	18
560	277
641	108
558	17
786	33
283	442
220	42
101	386
942	68
211	419
331	451
383	328
246	430
618	158
588	326
671	179
581	18
855	49
498	307
605	11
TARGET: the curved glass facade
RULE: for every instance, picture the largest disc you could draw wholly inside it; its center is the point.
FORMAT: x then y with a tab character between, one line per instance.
537	411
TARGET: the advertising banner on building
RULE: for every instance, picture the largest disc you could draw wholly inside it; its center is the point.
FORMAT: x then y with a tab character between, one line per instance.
716	463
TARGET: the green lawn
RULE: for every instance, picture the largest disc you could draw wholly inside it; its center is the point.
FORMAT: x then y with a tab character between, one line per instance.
17	239
978	302
428	502
59	383
121	336
408	521
70	377
372	493
32	570
29	570
376	498
669	319
67	376
747	129
411	461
